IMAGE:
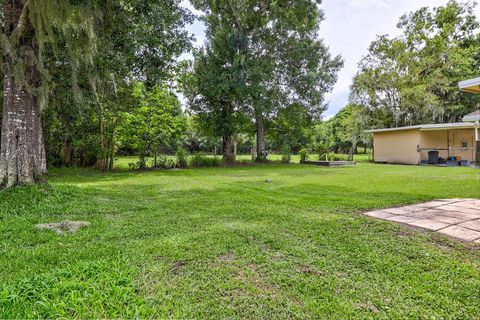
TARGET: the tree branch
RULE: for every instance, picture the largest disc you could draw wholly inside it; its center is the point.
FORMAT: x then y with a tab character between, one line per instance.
21	25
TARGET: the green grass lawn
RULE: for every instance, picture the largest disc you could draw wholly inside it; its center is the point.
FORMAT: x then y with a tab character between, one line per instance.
222	243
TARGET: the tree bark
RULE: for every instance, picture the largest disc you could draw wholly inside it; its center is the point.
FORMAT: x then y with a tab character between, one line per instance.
261	149
67	152
352	151
228	150
101	162
22	151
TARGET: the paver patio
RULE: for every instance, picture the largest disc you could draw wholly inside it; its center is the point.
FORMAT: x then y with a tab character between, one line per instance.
457	218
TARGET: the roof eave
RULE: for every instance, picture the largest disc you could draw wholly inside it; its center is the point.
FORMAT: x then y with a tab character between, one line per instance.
471	118
458	126
470	86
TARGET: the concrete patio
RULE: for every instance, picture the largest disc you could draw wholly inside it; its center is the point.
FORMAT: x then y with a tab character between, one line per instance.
457	218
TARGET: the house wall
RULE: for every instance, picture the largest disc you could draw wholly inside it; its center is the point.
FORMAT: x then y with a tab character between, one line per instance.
458	138
397	146
438	139
454	139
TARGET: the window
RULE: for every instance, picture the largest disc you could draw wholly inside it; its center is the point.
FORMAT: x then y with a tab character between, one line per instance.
464	145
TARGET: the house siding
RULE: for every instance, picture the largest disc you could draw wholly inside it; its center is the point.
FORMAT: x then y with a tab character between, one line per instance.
397	147
401	146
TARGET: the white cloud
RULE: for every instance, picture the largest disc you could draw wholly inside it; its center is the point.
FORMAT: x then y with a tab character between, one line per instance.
350	27
383	4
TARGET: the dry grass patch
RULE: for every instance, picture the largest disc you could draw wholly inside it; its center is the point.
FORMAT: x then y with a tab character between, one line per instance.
63	227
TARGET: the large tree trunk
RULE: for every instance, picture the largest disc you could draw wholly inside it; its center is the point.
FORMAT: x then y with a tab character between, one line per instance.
22	151
352	151
228	150
261	149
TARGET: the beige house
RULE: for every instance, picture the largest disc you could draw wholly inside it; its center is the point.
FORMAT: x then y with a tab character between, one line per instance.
411	145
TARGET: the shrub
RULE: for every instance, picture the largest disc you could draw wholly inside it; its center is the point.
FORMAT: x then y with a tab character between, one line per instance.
303	155
286	155
334	157
165	163
323	151
340	157
134	165
200	160
182	158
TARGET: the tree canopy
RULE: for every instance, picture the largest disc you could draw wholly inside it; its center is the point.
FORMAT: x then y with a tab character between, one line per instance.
85	81
413	78
270	56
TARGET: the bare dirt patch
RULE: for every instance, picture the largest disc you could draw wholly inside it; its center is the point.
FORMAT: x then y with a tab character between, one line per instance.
228	257
310	270
178	266
366	306
257	279
63	227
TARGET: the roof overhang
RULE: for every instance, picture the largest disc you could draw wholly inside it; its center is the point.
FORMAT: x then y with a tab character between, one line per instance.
472	118
429	127
471	86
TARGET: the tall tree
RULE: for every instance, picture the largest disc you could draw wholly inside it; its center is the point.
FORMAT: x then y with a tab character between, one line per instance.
134	40
291	127
29	27
350	124
213	89
413	78
137	41
277	54
154	120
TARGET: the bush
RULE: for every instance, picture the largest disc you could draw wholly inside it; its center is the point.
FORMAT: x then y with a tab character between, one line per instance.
323	151
134	165
339	157
303	155
165	163
286	155
182	158
334	157
200	160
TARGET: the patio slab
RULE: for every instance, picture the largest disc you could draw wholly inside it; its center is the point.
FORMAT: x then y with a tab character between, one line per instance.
457	218
474	225
461	233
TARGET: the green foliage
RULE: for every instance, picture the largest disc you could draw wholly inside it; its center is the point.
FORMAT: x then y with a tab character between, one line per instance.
330	156
303	155
344	132
135	165
163	163
291	126
266	56
90	127
154	120
286	154
201	160
413	78
182	158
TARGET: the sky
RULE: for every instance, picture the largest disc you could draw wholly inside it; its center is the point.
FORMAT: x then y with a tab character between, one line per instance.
349	28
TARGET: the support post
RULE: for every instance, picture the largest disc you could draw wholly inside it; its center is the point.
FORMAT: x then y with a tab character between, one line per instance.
477	144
